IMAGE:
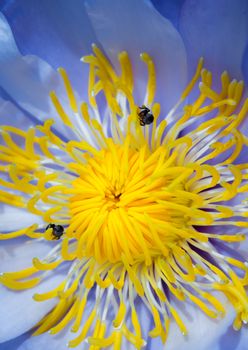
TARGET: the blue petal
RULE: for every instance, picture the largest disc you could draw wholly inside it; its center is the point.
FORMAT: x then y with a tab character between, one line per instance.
57	31
233	340
216	30
14	343
245	65
170	9
135	26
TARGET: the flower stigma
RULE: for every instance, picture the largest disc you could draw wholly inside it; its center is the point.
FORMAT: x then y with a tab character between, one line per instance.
140	208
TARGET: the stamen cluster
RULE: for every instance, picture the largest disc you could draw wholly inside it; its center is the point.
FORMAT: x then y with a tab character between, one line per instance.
142	207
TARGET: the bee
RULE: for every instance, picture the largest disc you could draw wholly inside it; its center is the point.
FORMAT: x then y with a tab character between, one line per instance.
57	230
145	115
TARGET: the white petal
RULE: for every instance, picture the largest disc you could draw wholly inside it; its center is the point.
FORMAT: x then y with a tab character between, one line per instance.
135	26
216	30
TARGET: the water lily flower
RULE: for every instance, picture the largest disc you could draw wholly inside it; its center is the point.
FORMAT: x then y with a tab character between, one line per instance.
124	176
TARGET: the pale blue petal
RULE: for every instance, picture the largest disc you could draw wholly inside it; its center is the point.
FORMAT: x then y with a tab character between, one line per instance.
17	254
13	218
52	342
12	115
203	332
28	80
216	30
135	26
58	341
19	312
56	31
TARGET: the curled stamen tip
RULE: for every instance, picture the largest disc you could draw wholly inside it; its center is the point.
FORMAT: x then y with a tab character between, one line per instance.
144	55
117	328
82	59
93	45
123	53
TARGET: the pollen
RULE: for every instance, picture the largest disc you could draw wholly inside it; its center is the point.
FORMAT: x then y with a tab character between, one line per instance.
135	210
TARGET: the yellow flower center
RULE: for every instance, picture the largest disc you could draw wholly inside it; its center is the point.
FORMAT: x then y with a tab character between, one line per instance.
139	205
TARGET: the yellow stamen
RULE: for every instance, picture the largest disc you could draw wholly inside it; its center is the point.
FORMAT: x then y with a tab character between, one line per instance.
69	90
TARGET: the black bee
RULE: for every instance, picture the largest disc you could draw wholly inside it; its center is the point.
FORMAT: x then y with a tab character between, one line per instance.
57	232
145	116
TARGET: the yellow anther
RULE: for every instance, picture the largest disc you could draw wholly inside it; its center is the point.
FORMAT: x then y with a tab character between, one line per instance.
126	68
64	117
69	90
151	84
193	81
